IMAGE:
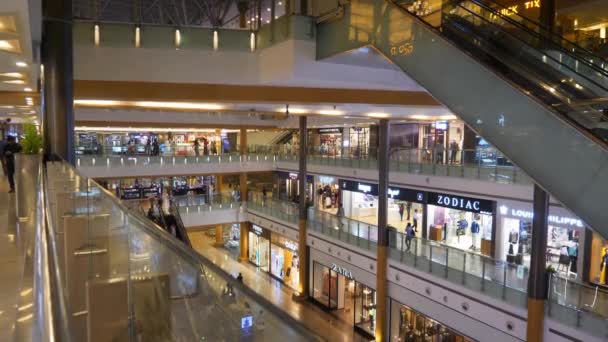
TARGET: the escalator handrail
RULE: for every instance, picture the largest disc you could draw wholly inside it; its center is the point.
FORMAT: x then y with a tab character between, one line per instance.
539	35
551	33
530	46
578	126
180	224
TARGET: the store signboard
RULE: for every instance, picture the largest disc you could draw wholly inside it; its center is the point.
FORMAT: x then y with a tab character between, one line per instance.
402	194
293	175
471	204
342	270
259	231
527	214
293	246
366	188
330	130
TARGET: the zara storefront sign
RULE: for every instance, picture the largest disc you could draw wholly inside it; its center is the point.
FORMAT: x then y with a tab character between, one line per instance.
528	215
341	270
459	202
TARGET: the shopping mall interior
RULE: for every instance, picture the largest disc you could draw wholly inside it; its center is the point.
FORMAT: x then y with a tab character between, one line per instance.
311	170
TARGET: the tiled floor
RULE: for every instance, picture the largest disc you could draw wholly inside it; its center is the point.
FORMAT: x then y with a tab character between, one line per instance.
12	246
314	318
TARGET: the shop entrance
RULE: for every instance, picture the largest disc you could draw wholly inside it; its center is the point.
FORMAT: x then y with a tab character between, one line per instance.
350	301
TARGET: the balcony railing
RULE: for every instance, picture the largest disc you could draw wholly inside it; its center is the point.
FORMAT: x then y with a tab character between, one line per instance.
116	268
571	303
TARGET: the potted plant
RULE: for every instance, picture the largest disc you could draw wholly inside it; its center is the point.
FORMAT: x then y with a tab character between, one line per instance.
32	140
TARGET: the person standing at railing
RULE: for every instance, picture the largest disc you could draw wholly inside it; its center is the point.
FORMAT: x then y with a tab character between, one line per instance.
453	151
196	146
10	149
409	235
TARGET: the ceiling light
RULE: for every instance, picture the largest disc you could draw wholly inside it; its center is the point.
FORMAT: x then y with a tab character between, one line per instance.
448	117
97	103
330	112
12	74
27	89
15	81
378	115
10	45
176	105
419	117
21	64
293	110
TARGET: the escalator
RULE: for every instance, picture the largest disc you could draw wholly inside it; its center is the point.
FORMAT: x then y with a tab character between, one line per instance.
538	98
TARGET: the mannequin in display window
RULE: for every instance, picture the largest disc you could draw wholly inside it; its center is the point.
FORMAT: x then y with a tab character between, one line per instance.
475	229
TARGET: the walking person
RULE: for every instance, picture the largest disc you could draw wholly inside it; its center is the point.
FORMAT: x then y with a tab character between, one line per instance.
10	149
401	211
409	235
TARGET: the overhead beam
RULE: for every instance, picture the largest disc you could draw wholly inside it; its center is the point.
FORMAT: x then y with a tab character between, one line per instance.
148	124
189	92
17	98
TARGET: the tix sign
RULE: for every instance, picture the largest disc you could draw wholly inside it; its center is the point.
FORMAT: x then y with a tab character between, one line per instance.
403	49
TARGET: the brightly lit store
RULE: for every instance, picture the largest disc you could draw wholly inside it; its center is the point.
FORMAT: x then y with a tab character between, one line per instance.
327	141
565	237
327	193
461	222
597	260
360	202
134	188
287	186
285	263
408	325
334	288
259	247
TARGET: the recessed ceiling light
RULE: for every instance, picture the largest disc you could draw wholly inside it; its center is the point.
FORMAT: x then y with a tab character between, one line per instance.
15	81
330	112
21	64
12	74
27	89
419	117
448	117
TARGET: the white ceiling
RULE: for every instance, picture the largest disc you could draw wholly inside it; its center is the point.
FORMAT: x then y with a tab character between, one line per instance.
20	34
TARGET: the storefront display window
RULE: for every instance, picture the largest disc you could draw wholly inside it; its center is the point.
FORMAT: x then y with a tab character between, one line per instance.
285	262
408	325
330	142
461	222
598	260
259	247
327	194
358	143
565	234
288	186
354	303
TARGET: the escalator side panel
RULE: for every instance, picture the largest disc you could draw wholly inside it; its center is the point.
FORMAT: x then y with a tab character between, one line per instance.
564	161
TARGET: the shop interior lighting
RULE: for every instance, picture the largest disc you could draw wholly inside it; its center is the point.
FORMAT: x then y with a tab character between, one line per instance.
10	45
252	41
27	89
178	39
151	129
148	104
378	115
96	35
216	40
12	74
14	82
21	64
420	117
603	32
293	110
137	37
330	112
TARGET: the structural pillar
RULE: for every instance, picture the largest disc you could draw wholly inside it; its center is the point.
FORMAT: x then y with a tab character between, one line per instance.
537	279
303	212
58	92
382	259
244	226
219	236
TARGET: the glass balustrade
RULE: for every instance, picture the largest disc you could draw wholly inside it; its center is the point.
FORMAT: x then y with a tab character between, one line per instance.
570	302
116	268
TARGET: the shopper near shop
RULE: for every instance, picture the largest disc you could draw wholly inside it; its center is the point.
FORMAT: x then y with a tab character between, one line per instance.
401	211
2	160
439	149
205	146
11	148
409	235
196	146
417	220
454	151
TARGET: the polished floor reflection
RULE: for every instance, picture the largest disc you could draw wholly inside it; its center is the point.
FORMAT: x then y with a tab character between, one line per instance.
328	326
